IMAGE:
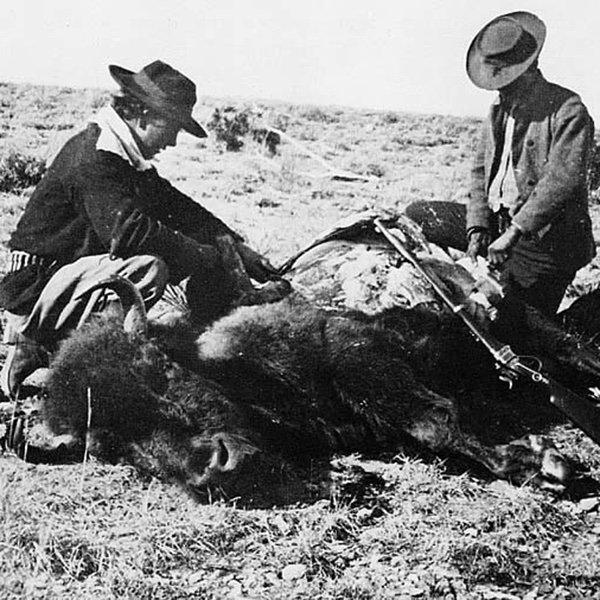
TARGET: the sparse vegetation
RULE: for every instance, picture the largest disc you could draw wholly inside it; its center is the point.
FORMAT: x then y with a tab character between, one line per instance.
269	139
19	171
100	532
319	115
231	126
375	170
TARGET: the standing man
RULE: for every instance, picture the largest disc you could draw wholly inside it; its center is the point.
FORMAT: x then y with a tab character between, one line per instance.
528	205
102	210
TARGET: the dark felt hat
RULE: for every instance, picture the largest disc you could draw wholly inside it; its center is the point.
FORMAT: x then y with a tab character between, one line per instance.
504	49
164	89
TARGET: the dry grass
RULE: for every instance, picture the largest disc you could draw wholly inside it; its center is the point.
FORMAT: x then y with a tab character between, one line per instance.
101	532
420	534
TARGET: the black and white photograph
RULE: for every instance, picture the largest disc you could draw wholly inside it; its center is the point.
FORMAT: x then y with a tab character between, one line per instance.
300	300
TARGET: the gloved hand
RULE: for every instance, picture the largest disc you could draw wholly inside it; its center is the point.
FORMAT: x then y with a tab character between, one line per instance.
256	265
478	243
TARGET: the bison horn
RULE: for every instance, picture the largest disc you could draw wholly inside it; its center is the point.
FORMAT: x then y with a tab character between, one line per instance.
134	310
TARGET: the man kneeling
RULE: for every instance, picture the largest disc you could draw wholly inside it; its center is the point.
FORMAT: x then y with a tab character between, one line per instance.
102	210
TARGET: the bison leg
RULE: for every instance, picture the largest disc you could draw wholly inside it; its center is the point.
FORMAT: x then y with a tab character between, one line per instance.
531	459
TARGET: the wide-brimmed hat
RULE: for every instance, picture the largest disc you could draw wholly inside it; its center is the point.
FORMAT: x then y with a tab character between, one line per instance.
164	89
504	49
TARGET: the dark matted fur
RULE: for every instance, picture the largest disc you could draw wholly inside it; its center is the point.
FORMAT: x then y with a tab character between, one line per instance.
115	374
275	386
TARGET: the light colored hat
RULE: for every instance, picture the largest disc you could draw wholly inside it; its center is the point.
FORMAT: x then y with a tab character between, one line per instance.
163	88
504	49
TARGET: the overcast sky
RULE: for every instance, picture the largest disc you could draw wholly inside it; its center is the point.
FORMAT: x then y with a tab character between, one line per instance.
405	55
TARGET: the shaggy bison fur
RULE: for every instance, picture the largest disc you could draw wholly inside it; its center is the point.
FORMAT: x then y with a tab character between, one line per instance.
254	405
270	392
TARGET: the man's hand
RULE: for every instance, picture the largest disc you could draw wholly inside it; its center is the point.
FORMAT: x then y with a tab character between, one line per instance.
256	265
499	250
479	240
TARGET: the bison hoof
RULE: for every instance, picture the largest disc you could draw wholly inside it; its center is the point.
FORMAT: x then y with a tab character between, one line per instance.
534	459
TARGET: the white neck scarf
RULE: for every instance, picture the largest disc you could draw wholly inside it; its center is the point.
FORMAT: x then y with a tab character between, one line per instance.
116	137
503	189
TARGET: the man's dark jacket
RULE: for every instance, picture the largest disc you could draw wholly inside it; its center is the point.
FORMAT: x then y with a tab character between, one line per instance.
93	202
552	141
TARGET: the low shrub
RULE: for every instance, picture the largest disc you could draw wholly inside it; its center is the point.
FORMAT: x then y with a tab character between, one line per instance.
319	115
19	171
231	126
269	139
390	118
375	170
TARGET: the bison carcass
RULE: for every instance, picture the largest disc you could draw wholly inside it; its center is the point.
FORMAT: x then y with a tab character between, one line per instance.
270	388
